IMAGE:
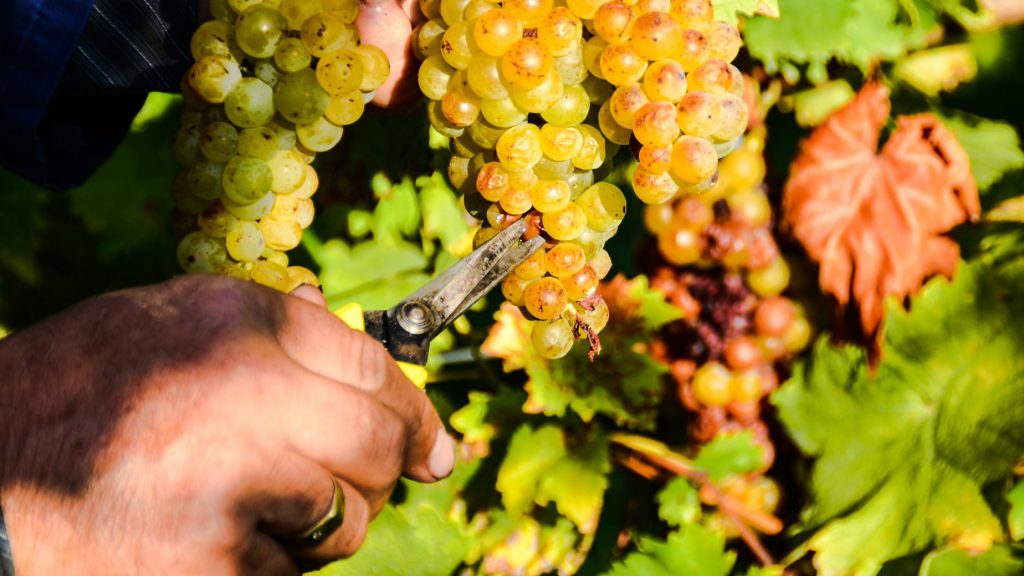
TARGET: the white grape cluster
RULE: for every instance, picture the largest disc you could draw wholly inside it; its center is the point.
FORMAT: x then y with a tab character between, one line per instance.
273	83
538	95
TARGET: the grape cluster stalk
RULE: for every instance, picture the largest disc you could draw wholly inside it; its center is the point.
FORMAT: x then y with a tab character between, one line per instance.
719	264
273	83
536	98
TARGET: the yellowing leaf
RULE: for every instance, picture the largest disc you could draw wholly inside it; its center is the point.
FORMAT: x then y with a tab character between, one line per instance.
938	69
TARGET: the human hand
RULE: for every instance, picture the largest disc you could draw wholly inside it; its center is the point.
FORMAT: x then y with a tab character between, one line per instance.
182	428
388	25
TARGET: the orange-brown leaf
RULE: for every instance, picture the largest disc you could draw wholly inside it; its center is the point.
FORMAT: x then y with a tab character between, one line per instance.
874	220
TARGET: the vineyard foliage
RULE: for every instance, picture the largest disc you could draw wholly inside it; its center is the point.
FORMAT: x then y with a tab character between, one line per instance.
891	441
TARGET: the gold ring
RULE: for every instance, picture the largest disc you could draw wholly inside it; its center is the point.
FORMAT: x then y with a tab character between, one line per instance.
327	525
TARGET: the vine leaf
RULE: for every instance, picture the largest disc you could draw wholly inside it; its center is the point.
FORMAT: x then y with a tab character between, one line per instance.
693	550
999	561
1016	517
874	220
903	454
679	502
730	10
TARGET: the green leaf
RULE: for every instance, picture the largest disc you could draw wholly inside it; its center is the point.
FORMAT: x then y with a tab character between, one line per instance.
1016	518
443	216
693	551
397	214
531	454
999	561
729	455
678	502
652	310
730	10
993	147
21	224
406	540
815	105
939	69
903	454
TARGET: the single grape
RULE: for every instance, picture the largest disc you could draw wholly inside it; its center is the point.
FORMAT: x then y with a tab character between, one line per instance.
199	253
259	29
570	109
560	143
309	185
544	298
513	286
585	9
680	246
271	275
694	160
215	38
299	97
798	335
655	124
203	179
656	36
593	152
614	22
750	207
565	224
691	13
433	77
452	11
734	119
699	114
696	50
621	64
611	129
245	241
215	221
246	180
325	32
296	12
725	40
713	76
604	206
252	211
496	31
747	386
582	284
530	12
770	280
601	262
571	66
319	135
625	102
525	64
665	80
552	339
502	113
437	120
597	318
376	66
457	45
774	316
535	266
712	384
345	109
299	275
516	201
694	213
565	259
742	353
519	147
655	159
339	72
427	39
219	142
250	103
213	77
550	195
561	31
542	96
281	234
653	187
459	109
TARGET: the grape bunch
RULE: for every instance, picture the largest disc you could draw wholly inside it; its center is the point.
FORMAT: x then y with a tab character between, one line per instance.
273	83
537	98
719	264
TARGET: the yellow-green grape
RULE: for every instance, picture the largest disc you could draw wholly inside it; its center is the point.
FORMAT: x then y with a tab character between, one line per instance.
296	12
246	180
611	129
496	31
614	22
750	207
215	38
198	253
485	134
691	13
259	142
584	9
621	65
299	97
250	103
552	339
203	179
603	205
712	384
559	143
680	245
530	12
597	318
545	298
258	30
251	211
699	114
291	55
655	124
275	256
185	146
319	135
625	102
525	64
656	159
516	201
213	77
579	180
502	112
287	171
560	31
565	224
266	72
271	275
347	10
592	50
694	160
571	66
696	50
564	260
431	8
542	96
592	241
376	66
653	187
285	131
659	218
570	109
665	80
798	335
524	179
245	241
492	181
434	76
457	46
656	35
770	280
734	119
550	195
475	9
340	72
581	284
437	120
519	147
597	89
533	267
309	185
601	262
714	76
725	40
452	11
242	5
428	36
219	142
299	276
221	10
460	109
552	169
184	200
281	234
484	78
324	33
215	221
497	217
345	108
235	270
593	150
513	286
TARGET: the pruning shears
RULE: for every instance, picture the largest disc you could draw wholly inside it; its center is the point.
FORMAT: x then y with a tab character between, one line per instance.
407	328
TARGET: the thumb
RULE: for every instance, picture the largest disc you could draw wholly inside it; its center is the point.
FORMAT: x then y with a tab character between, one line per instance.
311	294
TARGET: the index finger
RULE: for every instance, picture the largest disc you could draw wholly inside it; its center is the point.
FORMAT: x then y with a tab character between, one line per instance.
322	343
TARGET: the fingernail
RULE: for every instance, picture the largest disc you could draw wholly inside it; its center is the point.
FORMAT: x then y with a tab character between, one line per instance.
442	456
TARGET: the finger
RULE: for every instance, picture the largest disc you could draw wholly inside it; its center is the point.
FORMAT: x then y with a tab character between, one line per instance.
261	555
310	294
347	539
323	344
386	25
